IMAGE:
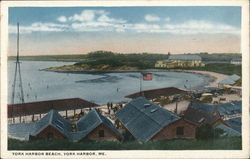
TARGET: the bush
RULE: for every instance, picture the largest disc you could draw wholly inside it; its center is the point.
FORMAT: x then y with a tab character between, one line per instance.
206	131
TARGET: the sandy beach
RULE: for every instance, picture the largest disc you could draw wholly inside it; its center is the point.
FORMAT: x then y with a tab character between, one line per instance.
217	77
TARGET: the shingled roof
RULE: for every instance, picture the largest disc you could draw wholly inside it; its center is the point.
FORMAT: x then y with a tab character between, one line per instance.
154	93
41	107
143	119
89	122
54	119
200	112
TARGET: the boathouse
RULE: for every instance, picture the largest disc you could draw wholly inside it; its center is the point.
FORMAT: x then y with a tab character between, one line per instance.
147	121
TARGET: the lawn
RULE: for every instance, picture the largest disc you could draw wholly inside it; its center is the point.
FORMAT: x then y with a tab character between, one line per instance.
225	143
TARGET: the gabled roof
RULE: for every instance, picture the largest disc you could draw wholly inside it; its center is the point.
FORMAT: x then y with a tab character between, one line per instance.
235	123
199	113
154	93
228	131
54	119
144	119
196	111
89	122
184	57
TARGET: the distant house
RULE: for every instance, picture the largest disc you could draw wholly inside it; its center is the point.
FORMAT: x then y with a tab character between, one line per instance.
180	61
236	61
95	126
230	81
146	121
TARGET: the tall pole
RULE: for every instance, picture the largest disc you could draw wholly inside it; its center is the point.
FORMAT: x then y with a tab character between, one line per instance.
17	73
140	77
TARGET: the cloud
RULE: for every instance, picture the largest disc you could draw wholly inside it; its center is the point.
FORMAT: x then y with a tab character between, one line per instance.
195	27
167	19
151	18
101	20
38	26
85	15
62	19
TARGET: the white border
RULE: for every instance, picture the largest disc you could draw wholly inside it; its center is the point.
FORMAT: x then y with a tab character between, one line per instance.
244	153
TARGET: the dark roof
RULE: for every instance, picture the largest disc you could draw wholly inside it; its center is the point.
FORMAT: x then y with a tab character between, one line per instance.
144	119
54	119
184	57
199	116
42	107
197	111
154	93
228	131
235	123
230	108
90	121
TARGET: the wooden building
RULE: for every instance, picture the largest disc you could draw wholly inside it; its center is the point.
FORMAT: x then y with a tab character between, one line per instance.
147	121
52	126
95	126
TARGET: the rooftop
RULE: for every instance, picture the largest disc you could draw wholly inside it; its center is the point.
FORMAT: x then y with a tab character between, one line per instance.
231	80
144	119
42	107
154	93
200	112
91	121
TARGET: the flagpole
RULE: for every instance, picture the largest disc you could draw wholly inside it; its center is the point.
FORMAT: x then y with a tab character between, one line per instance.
140	82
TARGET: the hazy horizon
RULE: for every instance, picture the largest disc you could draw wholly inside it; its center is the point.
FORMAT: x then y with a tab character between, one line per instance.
80	30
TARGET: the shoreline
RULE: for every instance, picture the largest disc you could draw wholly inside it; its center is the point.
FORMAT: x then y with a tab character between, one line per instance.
216	77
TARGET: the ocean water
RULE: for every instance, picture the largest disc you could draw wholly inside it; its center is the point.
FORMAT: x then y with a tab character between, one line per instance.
98	87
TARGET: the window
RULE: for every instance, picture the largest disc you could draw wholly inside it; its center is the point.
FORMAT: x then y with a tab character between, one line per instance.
101	133
50	135
180	131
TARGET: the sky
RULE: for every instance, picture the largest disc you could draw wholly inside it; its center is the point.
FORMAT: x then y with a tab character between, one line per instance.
79	30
